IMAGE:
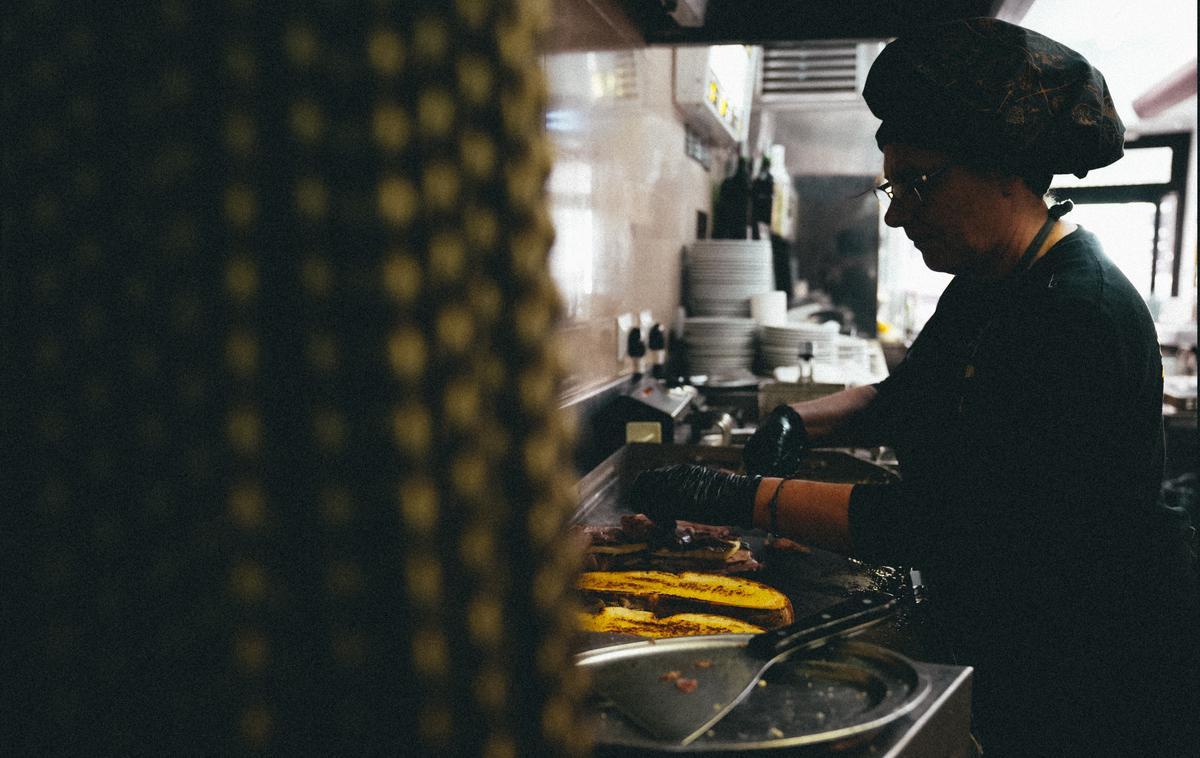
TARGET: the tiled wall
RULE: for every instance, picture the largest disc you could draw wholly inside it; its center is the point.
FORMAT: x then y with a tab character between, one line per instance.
624	199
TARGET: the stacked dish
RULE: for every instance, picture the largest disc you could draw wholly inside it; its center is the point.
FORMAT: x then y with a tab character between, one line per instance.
781	345
719	345
722	275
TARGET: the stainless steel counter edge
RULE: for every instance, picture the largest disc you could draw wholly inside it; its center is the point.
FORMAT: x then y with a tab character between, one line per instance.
941	727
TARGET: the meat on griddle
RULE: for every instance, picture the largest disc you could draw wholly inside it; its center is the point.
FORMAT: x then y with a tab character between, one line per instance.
639	543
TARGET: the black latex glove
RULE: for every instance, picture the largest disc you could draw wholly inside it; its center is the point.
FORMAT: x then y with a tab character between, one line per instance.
694	493
777	445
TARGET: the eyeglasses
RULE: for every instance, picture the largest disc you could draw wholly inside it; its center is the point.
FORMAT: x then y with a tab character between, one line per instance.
918	186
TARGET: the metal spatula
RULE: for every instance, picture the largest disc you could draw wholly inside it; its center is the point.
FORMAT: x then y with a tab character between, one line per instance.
677	688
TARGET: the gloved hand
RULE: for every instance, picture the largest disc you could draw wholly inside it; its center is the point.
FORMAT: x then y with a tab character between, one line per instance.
695	493
777	445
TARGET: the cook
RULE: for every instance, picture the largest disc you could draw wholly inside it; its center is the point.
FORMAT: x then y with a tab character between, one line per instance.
1026	416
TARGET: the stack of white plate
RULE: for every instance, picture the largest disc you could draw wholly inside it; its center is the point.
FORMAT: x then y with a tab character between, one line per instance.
722	275
718	345
781	345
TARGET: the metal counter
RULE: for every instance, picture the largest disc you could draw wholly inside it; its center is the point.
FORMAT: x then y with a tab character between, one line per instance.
938	727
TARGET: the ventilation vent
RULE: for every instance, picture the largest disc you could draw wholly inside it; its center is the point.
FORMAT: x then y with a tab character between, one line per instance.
816	72
624	75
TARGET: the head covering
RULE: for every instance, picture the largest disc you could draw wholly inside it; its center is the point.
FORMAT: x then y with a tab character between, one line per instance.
997	93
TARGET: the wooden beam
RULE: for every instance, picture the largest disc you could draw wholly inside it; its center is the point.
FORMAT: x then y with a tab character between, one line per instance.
1174	89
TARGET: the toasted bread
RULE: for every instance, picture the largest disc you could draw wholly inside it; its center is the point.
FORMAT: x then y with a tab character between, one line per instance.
618	620
739	561
717	552
632	547
665	593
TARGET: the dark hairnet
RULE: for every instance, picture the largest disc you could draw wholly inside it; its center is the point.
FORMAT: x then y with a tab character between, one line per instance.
996	93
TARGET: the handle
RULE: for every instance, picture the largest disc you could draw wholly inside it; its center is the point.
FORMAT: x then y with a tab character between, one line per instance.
842	619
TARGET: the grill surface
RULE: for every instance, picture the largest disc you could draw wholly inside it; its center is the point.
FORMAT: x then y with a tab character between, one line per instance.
812	580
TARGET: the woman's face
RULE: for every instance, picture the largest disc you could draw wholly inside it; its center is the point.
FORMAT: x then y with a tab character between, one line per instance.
957	222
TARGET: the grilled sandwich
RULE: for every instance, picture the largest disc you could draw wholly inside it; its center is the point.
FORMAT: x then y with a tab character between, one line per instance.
665	594
619	620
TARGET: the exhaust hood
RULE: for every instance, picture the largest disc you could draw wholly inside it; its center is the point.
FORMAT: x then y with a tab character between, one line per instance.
767	21
820	71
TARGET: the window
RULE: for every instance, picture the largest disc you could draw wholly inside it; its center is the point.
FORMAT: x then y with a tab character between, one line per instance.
1136	208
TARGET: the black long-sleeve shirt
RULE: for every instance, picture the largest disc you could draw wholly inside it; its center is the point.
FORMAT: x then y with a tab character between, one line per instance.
1027	420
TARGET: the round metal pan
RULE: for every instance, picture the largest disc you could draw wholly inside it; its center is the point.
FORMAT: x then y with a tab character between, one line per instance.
841	695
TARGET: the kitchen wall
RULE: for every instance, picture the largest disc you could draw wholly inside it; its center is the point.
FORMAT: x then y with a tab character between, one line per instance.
827	139
624	197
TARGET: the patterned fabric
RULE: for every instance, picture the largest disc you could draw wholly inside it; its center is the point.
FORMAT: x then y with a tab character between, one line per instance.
998	93
292	474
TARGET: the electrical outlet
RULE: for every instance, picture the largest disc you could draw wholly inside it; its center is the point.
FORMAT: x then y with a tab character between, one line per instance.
624	325
645	321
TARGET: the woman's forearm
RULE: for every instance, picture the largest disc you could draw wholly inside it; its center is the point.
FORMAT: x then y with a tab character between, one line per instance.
831	419
816	513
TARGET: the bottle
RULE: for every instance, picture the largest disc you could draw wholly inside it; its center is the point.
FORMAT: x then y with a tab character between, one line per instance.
658	351
806	363
731	216
762	192
636	349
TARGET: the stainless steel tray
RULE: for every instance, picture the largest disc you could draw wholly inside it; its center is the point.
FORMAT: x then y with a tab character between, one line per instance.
840	695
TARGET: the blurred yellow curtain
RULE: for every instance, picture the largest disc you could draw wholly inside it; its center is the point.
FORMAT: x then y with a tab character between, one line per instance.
291	473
